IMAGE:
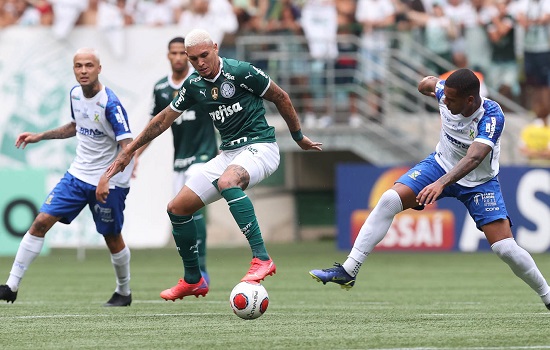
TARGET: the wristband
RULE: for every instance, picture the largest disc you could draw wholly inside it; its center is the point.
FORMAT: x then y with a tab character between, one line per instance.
297	135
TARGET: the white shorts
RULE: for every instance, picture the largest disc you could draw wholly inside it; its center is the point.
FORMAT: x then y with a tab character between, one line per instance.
181	177
260	160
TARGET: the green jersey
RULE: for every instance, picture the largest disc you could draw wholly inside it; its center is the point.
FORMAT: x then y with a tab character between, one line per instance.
194	135
233	99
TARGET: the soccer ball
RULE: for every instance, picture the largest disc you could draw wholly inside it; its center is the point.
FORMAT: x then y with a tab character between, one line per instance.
249	300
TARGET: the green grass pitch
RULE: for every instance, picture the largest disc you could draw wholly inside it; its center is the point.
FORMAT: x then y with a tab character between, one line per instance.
400	301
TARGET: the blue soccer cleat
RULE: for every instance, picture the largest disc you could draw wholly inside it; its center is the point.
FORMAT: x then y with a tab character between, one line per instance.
335	274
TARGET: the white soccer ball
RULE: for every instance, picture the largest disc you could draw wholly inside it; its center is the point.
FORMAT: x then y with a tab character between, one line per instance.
249	300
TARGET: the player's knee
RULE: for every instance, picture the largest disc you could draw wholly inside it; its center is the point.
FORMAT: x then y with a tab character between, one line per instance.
42	224
391	201
177	208
229	182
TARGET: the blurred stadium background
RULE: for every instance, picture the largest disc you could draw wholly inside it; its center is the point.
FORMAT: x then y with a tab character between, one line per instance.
311	196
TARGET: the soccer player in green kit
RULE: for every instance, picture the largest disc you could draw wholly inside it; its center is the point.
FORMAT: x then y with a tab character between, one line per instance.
193	135
231	92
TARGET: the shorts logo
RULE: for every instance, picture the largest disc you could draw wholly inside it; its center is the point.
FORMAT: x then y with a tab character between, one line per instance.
487	200
415	174
49	199
252	150
227	89
105	214
214	93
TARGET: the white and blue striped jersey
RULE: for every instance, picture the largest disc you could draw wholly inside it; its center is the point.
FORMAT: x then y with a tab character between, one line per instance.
101	122
485	125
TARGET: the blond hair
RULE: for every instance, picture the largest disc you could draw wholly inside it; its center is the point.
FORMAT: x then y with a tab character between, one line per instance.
197	37
88	51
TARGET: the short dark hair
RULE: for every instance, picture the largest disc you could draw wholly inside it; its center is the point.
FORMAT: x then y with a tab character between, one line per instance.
464	81
177	39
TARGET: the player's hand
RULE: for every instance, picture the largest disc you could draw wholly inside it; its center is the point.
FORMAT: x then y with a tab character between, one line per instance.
120	163
25	138
430	193
102	189
307	144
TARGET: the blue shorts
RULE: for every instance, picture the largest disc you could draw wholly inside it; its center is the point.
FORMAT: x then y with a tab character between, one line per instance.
484	202
71	195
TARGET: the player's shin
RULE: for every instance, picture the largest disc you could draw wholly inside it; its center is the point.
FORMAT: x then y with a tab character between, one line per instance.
243	212
29	249
523	265
185	237
373	230
200	223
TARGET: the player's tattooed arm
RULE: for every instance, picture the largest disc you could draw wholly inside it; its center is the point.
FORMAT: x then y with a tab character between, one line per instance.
156	126
284	105
63	132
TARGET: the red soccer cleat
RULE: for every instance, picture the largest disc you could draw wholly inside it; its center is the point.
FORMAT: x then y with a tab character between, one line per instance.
183	289
259	270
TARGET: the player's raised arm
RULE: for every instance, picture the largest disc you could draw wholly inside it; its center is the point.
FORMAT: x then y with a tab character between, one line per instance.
284	105
427	85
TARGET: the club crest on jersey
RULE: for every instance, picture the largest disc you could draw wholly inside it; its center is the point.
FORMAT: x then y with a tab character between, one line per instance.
214	93
228	89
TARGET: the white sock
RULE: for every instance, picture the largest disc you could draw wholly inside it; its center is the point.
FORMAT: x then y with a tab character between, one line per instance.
28	250
121	264
351	266
373	230
523	265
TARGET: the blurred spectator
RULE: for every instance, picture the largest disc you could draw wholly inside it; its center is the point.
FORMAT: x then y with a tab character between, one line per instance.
283	18
25	14
458	11
159	13
535	143
66	14
503	71
439	33
6	17
88	17
477	44
247	12
46	12
346	63
319	22
376	17
534	17
215	16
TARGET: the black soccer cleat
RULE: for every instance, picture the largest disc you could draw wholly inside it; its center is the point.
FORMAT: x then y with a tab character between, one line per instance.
7	294
548	306
119	300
